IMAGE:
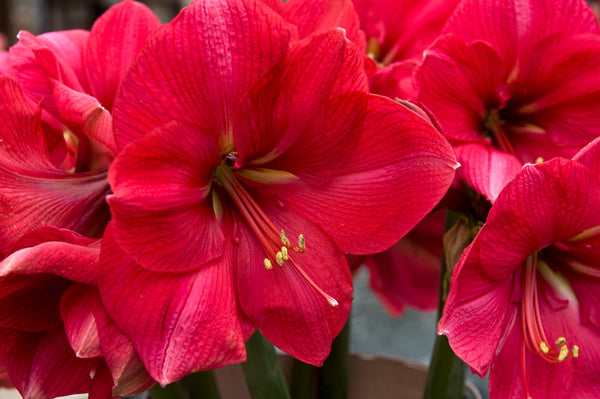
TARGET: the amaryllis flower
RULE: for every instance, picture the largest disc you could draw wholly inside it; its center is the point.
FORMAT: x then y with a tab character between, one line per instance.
36	191
75	74
511	87
397	33
55	336
251	162
523	300
57	136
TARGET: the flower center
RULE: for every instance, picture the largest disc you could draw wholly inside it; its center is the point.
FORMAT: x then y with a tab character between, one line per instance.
493	128
274	242
534	334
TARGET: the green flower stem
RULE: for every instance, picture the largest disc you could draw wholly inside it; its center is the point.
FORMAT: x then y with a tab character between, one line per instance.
333	375
303	381
201	385
446	376
171	391
264	376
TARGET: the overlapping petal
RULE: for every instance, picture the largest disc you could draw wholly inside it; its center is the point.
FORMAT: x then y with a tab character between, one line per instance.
458	91
55	55
79	322
164	180
315	16
485	169
403	29
223	49
376	197
514	26
114	41
544	205
44	366
323	82
285	305
35	191
179	323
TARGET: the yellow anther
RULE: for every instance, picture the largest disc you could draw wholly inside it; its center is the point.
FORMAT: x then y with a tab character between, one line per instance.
575	351
564	352
284	253
279	258
539	160
284	239
301	243
543	347
332	302
268	264
560	341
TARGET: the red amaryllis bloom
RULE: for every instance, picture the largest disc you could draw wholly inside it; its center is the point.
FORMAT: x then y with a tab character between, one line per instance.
56	135
35	190
75	74
523	302
514	85
55	336
397	33
251	162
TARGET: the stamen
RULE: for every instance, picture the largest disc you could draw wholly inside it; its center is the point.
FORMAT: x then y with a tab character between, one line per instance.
263	228
539	160
301	243
373	48
284	239
268	264
284	253
564	352
534	335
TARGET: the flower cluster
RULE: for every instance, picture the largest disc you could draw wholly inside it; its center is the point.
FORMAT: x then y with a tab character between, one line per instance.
167	190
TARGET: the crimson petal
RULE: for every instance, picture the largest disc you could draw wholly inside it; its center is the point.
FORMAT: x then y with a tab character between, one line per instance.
283	303
114	41
375	198
164	180
193	81
179	323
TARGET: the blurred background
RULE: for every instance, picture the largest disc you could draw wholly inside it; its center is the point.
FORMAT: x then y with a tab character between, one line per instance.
38	16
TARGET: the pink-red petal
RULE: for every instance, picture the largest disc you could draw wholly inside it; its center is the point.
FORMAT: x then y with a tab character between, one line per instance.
164	180
322	81
76	306
223	48
400	170
178	323
486	169
115	40
43	366
288	310
312	16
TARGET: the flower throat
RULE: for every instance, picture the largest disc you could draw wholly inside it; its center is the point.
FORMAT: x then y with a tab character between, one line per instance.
275	243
